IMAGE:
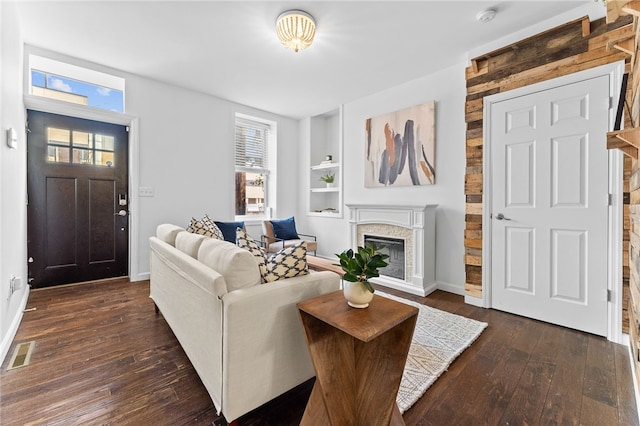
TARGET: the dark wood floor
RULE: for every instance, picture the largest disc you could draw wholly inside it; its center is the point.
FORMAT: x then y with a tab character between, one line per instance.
103	356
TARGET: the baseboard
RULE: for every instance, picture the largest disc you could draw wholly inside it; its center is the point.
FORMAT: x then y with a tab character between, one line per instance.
475	301
13	328
627	343
140	277
451	288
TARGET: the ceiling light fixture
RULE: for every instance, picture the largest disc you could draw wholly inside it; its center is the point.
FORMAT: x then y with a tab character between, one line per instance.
296	29
486	15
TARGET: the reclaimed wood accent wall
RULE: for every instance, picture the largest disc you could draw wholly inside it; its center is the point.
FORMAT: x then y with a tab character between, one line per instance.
569	48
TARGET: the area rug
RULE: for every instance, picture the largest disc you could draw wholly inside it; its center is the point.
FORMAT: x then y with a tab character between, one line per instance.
438	339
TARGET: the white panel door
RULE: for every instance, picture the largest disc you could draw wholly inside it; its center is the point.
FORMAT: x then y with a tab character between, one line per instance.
550	205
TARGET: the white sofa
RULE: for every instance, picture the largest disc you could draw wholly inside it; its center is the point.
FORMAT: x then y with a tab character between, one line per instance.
244	339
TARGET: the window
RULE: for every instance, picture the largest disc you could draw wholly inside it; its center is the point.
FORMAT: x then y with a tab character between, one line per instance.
65	82
77	147
252	140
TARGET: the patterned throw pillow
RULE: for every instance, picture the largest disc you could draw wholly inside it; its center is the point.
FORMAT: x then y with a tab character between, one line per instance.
200	227
208	222
244	240
287	263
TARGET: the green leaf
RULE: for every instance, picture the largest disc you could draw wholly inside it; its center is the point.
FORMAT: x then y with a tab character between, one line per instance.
348	276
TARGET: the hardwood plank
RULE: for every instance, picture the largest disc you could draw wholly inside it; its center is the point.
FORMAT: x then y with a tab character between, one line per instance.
626	403
133	371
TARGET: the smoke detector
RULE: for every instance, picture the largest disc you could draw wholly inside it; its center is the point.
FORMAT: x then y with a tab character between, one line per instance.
486	15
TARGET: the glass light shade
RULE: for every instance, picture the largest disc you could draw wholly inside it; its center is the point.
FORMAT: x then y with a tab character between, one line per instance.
296	29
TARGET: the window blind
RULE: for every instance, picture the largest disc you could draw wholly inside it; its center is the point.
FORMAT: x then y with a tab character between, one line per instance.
252	139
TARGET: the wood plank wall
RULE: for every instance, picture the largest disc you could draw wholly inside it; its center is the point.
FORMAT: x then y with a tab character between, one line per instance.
569	48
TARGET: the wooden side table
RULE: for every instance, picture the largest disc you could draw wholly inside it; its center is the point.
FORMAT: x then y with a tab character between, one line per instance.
359	356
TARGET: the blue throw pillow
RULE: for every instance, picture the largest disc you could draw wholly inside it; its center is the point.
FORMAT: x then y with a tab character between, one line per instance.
229	230
285	229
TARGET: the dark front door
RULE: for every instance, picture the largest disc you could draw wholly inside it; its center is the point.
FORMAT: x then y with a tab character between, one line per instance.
78	223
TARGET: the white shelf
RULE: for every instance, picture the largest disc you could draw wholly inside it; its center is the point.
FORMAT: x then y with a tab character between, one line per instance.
325	141
325	214
332	189
325	166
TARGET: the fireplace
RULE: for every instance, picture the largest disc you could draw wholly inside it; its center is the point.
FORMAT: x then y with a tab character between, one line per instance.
413	227
394	247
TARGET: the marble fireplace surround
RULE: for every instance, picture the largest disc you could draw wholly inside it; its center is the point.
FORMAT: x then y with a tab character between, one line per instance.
415	224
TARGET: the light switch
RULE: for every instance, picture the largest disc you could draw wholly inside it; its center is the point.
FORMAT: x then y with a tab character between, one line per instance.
145	191
12	138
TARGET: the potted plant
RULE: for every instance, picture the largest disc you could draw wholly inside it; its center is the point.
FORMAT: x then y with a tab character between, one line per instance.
329	178
359	267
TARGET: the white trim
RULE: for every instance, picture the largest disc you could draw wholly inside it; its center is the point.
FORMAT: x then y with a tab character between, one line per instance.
634	374
53	106
474	301
614	71
450	288
5	345
614	245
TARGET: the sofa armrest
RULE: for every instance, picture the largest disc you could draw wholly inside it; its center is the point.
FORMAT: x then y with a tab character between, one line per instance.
264	349
188	268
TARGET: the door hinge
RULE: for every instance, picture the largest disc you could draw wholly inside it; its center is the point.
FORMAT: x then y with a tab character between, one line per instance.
611	100
610	199
128	129
608	295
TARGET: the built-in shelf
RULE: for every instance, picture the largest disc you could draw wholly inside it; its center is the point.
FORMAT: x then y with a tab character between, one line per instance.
325	214
326	166
331	189
627	141
325	139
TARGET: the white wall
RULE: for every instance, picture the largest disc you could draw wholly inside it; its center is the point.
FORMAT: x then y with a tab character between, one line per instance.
447	88
185	152
13	182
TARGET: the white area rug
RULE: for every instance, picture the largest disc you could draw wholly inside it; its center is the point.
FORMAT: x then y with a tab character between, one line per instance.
438	339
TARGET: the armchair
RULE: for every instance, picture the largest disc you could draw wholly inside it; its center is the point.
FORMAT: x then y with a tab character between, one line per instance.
279	234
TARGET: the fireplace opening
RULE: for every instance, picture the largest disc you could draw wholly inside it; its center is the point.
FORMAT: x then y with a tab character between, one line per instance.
394	247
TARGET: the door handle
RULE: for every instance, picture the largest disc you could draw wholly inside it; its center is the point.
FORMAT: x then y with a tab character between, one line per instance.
500	216
121	213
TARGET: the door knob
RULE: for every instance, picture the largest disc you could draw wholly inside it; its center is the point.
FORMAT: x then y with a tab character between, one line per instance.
500	216
121	213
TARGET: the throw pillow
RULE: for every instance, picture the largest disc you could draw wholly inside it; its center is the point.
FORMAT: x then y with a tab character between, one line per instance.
197	227
229	230
287	263
285	229
209	223
204	227
244	240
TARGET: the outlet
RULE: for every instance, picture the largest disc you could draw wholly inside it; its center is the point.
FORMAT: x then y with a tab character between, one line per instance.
145	191
14	285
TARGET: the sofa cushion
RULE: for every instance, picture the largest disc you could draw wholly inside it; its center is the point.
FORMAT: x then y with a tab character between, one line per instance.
189	243
285	229
287	263
229	230
238	267
167	233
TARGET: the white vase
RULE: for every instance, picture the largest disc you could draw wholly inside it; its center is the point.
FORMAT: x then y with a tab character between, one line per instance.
329	184
356	294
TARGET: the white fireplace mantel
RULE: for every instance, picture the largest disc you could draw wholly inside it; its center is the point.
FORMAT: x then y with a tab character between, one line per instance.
419	220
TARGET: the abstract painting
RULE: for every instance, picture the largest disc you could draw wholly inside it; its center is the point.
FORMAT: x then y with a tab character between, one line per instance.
400	147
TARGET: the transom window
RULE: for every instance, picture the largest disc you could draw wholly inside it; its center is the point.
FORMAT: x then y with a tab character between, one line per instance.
70	83
77	147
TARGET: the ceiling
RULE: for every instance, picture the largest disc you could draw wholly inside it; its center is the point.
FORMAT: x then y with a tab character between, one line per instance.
229	48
